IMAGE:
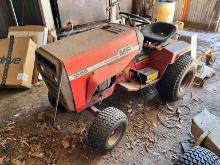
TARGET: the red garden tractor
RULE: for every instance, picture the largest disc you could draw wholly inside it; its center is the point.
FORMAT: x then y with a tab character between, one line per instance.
83	69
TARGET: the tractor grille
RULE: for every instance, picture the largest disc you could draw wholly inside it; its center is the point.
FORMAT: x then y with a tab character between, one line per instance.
113	29
50	76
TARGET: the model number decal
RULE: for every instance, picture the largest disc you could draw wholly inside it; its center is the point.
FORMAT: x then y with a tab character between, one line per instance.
80	73
121	53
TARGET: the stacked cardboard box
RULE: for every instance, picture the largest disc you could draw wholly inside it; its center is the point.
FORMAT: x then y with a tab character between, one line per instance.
38	34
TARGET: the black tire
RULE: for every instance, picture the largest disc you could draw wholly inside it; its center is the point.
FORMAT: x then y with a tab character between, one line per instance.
198	156
107	130
178	78
52	101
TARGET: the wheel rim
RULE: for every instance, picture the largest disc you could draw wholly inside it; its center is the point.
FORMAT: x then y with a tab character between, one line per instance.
186	81
115	135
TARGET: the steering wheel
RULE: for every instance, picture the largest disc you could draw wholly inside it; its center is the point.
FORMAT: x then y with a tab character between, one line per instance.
135	18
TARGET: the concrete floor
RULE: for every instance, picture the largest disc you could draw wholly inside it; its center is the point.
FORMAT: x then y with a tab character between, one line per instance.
28	135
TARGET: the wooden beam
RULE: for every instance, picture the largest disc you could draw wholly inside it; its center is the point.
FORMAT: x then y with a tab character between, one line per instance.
113	11
138	7
47	16
186	9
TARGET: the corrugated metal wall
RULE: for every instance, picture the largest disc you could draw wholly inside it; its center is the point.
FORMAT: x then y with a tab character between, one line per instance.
201	11
81	12
5	19
179	10
85	11
126	5
28	12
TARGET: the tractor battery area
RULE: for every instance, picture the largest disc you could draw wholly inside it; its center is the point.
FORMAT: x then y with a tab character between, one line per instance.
146	75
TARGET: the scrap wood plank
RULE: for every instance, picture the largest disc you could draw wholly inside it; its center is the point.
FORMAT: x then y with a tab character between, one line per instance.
204	72
203	122
206	52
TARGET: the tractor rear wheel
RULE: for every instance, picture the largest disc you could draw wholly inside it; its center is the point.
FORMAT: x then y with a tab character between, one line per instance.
107	130
178	78
52	101
198	155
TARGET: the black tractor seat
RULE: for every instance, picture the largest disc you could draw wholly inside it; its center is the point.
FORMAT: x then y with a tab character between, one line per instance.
158	32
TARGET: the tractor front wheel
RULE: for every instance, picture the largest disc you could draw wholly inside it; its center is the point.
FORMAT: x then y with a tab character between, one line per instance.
107	130
178	78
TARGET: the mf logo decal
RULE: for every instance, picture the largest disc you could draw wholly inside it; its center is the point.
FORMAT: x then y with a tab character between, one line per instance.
125	51
121	53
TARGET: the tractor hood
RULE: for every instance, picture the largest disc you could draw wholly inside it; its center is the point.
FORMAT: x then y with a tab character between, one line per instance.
83	53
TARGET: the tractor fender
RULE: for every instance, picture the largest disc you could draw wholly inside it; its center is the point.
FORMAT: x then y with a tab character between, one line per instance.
170	53
161	58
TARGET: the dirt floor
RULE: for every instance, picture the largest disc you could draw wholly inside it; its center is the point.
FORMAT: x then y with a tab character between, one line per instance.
28	134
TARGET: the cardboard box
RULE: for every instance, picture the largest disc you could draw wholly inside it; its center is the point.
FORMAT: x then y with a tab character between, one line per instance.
20	65
50	38
39	34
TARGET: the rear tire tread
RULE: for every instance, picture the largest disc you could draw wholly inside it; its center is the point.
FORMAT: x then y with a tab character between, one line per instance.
168	86
198	155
